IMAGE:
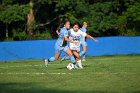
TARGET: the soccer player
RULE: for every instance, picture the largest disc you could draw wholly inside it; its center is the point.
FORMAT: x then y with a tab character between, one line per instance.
61	45
83	42
75	35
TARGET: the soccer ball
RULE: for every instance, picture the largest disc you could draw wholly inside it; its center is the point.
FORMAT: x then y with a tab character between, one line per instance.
70	66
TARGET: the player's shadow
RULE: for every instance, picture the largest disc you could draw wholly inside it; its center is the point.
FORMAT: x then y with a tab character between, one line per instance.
62	68
85	66
35	88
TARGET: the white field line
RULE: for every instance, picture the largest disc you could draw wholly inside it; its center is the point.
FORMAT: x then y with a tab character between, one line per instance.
34	73
20	66
51	73
26	66
114	58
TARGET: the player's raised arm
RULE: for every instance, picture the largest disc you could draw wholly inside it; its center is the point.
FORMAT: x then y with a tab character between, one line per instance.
57	31
89	36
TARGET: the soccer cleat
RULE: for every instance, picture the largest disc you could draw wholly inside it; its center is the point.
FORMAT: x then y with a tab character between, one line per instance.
46	61
75	66
80	64
81	67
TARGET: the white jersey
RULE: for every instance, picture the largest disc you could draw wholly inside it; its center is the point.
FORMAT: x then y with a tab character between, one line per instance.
75	36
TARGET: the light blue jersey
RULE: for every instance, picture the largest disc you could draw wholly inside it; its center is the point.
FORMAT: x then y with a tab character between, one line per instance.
61	44
83	29
61	41
83	39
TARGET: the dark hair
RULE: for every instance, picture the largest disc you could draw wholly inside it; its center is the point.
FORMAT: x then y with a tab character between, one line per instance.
66	22
76	23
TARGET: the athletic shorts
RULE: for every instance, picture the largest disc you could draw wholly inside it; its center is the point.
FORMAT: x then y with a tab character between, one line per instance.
75	47
84	43
59	49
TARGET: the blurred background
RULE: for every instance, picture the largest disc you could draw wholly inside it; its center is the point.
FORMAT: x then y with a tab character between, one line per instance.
38	19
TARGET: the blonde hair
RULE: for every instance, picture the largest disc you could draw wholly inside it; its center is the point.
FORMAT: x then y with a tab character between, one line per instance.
84	23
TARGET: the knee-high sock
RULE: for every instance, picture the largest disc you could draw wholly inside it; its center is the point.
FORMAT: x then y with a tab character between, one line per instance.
67	57
82	53
72	59
84	56
80	63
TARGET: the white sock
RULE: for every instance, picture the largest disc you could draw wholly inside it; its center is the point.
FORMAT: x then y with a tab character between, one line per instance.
80	63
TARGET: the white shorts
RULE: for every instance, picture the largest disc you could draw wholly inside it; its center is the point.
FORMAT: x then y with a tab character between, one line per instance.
75	47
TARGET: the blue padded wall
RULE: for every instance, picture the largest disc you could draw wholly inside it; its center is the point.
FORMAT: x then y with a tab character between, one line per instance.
39	49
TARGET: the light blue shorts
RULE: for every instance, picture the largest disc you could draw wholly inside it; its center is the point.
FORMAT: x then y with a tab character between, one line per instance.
84	43
59	49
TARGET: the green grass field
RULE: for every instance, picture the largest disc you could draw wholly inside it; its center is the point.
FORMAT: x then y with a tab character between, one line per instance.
109	74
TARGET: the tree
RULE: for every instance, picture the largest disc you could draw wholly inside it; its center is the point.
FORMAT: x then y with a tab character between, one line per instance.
43	17
13	13
30	18
129	20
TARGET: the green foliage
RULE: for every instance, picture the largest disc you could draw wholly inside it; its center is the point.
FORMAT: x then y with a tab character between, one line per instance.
104	17
18	35
128	22
5	2
44	35
14	13
134	11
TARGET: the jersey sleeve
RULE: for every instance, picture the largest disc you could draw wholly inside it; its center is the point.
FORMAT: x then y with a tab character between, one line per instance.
65	33
69	32
82	33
